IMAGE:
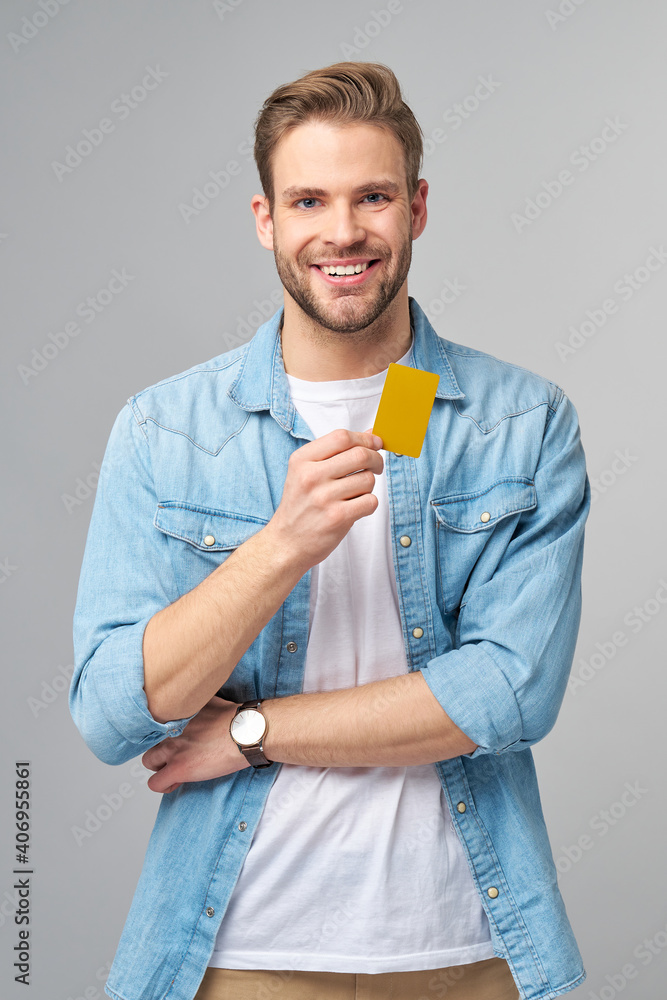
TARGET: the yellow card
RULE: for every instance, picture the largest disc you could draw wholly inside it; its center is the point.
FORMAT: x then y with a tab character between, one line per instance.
404	409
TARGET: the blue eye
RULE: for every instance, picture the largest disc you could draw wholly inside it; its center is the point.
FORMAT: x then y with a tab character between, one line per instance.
307	203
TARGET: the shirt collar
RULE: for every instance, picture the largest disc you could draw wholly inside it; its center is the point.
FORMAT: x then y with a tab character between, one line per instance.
261	383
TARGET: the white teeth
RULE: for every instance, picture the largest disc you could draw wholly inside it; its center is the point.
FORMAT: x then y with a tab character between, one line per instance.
344	269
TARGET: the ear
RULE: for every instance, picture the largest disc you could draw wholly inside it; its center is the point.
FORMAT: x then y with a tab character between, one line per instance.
263	220
418	208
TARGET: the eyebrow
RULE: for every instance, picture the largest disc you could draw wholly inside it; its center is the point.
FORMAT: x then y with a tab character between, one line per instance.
311	192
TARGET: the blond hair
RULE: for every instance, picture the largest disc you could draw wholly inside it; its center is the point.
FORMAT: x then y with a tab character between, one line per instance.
345	93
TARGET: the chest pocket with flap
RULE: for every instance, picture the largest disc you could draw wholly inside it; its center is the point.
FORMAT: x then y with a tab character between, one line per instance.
466	522
203	537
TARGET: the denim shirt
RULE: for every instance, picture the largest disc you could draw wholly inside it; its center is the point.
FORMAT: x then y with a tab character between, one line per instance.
495	508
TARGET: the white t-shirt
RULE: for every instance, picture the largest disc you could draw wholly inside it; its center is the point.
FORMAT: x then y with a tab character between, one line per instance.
353	869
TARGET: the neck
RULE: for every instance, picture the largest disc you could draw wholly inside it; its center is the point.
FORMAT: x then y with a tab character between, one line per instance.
316	354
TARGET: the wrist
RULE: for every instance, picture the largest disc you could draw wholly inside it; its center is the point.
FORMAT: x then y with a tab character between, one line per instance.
283	551
269	741
286	719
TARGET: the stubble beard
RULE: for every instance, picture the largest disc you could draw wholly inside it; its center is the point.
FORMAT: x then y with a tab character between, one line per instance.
348	315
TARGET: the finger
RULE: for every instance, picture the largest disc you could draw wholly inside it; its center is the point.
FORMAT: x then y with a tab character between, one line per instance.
154	759
357	456
338	441
352	461
355	485
362	506
376	438
162	780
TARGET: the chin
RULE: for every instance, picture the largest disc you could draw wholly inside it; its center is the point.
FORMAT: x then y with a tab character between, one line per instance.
344	322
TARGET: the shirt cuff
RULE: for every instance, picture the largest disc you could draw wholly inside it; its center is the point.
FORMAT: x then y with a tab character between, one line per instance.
115	707
477	697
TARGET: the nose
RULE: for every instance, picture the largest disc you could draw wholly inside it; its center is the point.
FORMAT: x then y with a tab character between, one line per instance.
342	226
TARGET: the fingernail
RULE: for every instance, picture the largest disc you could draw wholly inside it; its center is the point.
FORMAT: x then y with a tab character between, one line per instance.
377	441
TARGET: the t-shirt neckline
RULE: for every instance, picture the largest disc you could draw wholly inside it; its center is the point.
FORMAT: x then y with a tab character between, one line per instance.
306	390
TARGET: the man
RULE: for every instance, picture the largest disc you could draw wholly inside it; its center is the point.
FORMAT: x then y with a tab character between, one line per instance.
335	658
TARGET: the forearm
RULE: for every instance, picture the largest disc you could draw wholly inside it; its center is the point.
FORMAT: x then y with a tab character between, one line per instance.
388	723
191	647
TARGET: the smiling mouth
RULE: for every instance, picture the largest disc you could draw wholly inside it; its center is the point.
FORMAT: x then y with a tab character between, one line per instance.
347	274
343	269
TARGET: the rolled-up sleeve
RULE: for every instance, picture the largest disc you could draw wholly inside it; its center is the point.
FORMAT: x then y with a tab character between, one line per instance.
504	683
126	577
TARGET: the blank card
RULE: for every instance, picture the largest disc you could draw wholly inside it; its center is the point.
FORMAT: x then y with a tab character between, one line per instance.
404	409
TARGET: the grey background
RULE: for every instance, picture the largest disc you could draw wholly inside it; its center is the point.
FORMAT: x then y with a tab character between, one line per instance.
194	284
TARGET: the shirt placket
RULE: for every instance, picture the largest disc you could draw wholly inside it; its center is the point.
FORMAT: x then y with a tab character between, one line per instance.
407	543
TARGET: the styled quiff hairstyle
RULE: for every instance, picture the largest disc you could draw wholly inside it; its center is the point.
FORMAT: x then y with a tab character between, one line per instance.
347	93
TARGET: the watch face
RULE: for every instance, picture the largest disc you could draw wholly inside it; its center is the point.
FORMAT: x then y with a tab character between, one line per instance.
248	727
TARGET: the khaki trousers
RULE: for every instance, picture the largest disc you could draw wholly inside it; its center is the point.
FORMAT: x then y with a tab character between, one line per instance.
487	980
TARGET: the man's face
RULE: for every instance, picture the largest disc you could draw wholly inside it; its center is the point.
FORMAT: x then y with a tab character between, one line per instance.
341	199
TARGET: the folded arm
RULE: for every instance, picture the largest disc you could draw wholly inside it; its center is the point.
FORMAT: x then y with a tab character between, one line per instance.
499	690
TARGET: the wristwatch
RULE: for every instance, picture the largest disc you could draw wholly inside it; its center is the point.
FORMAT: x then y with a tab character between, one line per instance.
248	729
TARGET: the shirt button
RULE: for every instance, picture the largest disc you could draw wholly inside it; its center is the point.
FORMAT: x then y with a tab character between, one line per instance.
485	516
243	825
209	540
461	807
418	632
209	911
292	647
492	892
397	454
405	541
